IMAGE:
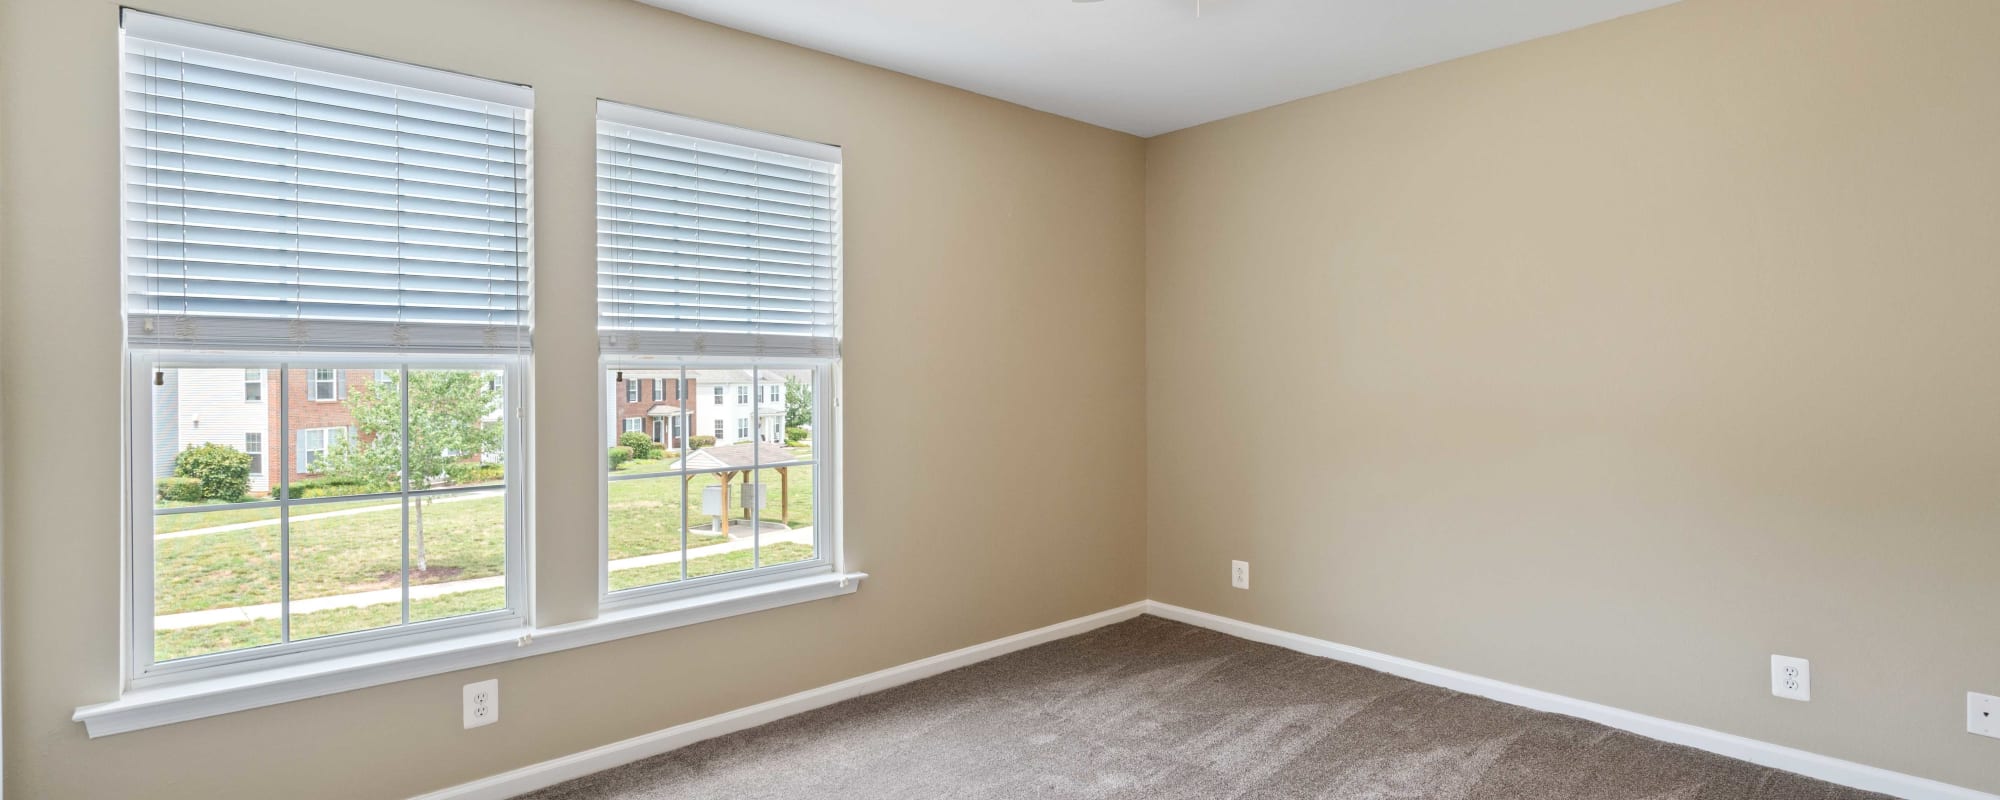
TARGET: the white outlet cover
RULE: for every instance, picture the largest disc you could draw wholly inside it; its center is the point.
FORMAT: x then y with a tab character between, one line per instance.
482	703
1239	574
1982	714
1791	678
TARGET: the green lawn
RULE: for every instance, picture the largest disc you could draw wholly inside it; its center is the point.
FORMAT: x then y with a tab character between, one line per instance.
359	552
185	642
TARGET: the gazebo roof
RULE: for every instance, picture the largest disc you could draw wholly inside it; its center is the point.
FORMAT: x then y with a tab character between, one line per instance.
734	455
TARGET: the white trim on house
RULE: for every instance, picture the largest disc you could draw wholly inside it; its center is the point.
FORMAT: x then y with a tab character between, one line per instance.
1833	770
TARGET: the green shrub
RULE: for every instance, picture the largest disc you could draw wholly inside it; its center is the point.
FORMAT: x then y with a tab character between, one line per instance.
698	442
641	445
795	434
465	472
178	490
223	471
335	487
620	455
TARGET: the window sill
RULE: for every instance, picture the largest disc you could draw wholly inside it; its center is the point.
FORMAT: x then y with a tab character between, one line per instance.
150	707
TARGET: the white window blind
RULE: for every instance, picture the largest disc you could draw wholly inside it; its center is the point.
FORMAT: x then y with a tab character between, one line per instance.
713	239
283	196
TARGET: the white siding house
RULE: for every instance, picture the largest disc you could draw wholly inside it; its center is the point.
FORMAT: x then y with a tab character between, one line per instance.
215	406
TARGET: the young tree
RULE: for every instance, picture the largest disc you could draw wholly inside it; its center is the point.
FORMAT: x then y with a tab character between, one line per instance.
449	423
798	402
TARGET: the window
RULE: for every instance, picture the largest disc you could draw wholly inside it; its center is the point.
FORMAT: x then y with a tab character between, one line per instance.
315	443
295	214
660	389
325	386
253	446
719	253
632	391
634	425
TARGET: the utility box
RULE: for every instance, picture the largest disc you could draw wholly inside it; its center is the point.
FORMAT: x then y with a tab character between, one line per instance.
744	495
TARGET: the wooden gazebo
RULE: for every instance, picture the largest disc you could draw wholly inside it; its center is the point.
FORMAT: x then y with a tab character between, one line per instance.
730	460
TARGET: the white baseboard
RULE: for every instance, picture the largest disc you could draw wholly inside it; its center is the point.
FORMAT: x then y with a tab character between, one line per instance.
1831	770
554	771
1812	765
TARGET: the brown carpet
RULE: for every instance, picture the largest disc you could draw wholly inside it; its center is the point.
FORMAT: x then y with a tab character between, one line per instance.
1157	709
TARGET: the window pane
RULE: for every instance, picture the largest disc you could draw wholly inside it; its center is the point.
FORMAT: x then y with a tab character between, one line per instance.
645	532
649	429
202	428
457	428
347	445
215	582
347	567
458	554
785	534
728	537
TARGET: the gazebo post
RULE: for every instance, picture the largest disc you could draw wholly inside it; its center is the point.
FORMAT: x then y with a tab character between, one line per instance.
725	501
785	495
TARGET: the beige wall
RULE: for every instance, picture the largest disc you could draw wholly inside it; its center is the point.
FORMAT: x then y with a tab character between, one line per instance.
1610	364
967	218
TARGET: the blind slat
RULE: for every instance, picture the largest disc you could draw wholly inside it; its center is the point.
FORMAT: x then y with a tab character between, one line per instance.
271	206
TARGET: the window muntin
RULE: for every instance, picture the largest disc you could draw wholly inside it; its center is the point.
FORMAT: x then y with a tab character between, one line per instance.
743	395
632	391
718	429
282	198
718	396
666	523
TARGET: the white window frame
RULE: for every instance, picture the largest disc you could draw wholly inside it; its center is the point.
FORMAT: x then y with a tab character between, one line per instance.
144	673
828	557
634	425
331	382
719	425
253	383
719	394
631	390
742	394
743	428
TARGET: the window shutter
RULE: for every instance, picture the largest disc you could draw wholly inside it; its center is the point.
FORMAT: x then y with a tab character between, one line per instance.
288	197
340	384
713	239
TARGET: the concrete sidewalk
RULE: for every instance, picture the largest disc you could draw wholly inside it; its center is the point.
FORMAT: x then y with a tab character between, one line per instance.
217	616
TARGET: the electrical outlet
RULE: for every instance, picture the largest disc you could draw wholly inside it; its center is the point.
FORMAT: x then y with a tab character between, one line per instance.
1239	574
1791	678
482	703
1982	714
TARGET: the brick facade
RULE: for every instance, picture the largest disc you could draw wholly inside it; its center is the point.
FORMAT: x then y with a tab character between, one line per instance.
653	389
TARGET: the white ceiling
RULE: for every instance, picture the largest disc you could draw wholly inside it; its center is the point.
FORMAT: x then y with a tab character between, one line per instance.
1151	66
